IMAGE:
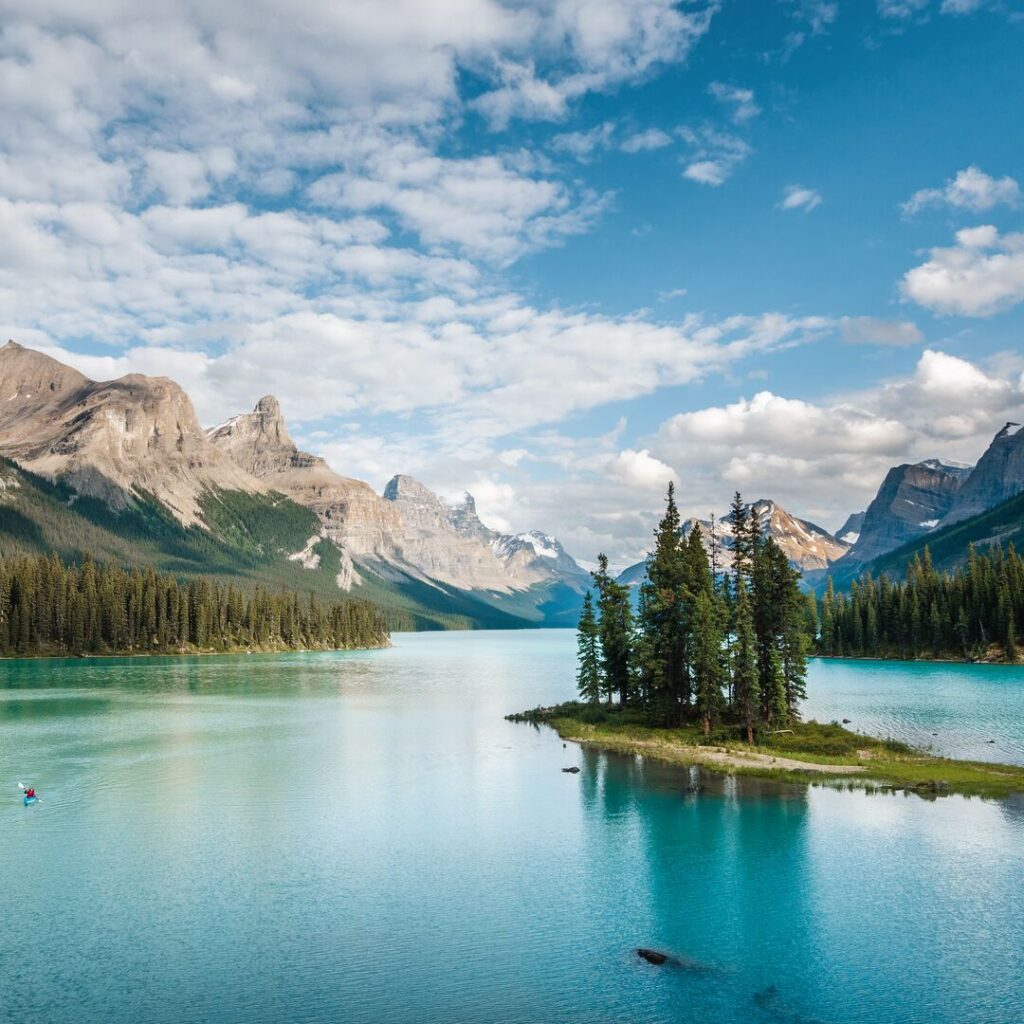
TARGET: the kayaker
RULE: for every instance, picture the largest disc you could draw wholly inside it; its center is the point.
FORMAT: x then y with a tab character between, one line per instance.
30	792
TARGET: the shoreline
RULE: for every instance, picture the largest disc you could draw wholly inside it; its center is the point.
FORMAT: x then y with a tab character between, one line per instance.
186	653
1002	663
811	753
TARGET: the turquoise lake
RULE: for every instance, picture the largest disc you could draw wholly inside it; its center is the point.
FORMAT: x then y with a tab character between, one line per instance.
362	838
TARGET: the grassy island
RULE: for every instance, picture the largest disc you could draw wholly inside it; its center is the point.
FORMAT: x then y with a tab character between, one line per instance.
804	752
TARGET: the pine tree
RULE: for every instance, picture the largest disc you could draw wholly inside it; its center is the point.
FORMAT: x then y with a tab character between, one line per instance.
615	631
662	654
588	673
708	666
746	681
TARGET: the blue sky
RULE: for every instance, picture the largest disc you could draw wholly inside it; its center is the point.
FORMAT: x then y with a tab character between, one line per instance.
555	252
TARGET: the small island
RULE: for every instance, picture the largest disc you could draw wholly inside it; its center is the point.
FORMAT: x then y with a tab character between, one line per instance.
807	752
709	668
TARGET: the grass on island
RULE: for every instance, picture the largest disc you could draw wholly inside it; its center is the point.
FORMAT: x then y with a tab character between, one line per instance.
811	750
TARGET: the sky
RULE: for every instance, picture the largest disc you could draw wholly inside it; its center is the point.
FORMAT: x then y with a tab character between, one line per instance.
552	252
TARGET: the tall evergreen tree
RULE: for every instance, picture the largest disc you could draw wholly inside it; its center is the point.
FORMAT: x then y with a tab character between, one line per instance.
663	622
746	680
588	652
708	664
615	630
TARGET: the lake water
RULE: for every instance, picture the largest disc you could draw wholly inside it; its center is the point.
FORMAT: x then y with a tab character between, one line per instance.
362	837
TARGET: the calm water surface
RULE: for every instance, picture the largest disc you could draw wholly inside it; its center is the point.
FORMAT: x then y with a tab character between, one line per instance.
361	837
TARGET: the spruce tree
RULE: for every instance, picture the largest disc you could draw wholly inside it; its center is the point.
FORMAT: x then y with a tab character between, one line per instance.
615	630
708	667
662	652
588	672
746	681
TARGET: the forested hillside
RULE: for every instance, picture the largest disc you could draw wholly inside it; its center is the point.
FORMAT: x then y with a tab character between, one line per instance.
974	612
48	607
247	542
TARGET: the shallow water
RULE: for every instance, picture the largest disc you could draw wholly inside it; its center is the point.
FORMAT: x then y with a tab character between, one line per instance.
361	837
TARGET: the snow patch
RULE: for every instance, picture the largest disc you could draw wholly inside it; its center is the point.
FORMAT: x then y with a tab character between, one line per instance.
929	524
850	537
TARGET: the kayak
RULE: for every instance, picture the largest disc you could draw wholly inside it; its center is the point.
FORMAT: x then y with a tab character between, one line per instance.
29	800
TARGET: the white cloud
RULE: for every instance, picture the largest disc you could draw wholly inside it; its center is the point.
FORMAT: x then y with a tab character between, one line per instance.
645	141
961	6
972	189
796	197
901	8
715	155
583	144
870	330
824	460
600	45
639	469
981	275
741	100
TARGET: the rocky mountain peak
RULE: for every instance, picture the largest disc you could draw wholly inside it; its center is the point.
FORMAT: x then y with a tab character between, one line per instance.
259	441
912	500
109	439
270	407
998	476
402	487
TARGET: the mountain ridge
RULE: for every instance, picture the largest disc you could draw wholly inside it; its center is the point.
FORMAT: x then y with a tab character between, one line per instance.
135	445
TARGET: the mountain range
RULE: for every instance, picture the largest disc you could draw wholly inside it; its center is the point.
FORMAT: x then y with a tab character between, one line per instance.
810	548
129	458
124	469
939	504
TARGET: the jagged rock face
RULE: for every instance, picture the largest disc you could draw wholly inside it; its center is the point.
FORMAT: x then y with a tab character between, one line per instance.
911	501
849	532
259	441
451	539
448	543
109	439
536	552
353	515
998	476
806	545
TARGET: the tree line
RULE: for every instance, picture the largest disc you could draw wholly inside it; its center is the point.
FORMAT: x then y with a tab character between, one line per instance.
49	607
961	614
702	645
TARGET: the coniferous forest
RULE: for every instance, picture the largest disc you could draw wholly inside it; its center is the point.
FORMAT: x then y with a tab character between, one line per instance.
975	612
48	607
703	646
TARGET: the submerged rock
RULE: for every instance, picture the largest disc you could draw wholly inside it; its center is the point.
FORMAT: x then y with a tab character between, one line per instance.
652	956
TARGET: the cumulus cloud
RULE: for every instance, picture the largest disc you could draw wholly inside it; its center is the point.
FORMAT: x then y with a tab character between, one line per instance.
971	189
714	156
796	197
583	144
981	275
961	6
901	8
741	101
826	459
600	44
649	139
